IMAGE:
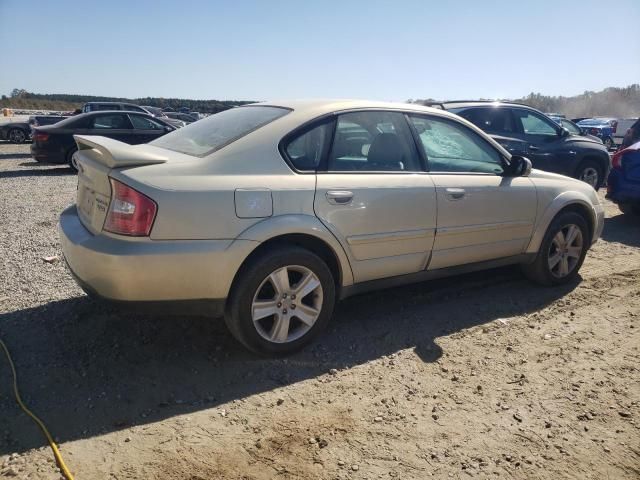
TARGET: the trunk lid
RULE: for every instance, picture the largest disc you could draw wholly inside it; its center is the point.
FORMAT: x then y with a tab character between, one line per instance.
96	158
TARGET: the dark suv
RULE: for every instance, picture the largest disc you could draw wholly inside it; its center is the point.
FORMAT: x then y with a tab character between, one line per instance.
525	131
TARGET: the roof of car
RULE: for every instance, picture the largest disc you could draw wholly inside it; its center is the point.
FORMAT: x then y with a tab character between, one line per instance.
476	103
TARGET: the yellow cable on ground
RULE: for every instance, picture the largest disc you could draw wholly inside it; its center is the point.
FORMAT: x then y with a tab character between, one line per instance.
56	453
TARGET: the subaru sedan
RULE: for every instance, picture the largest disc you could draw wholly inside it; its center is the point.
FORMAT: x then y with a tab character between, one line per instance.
269	213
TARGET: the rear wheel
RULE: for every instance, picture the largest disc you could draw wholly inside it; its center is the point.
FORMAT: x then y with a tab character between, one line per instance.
562	251
71	158
17	135
590	172
281	301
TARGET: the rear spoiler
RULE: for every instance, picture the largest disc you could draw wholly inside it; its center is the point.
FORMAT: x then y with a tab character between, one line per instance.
114	154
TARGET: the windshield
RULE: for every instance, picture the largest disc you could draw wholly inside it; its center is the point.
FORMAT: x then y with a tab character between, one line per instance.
216	131
572	127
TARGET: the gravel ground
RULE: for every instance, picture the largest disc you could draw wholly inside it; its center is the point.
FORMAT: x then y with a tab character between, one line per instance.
483	375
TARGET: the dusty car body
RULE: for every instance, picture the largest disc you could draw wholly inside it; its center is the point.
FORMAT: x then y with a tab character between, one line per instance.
269	213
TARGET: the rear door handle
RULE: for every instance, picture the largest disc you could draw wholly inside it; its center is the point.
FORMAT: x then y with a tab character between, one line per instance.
455	193
339	197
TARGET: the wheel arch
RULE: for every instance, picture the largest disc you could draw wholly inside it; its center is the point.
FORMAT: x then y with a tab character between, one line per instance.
305	231
565	202
602	160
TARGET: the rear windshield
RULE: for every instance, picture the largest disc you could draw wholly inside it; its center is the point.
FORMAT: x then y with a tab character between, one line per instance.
214	132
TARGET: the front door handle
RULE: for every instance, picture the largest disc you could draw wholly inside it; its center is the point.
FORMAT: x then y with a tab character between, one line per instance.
339	197
455	193
533	147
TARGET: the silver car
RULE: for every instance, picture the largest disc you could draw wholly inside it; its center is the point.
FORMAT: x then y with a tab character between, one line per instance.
269	213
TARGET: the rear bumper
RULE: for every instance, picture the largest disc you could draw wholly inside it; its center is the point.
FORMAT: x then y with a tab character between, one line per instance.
47	156
149	272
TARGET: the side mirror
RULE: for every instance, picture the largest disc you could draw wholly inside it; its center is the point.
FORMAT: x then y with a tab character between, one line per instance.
564	132
520	166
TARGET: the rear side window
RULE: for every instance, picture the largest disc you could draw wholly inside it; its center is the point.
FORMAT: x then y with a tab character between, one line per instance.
116	121
305	150
216	131
373	141
497	120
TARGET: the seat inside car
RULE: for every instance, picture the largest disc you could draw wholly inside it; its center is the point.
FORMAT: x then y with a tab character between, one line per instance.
386	153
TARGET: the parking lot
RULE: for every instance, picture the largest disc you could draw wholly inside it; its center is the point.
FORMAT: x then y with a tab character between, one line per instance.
484	375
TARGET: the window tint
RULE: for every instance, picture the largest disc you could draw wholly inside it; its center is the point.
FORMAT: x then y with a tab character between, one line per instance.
144	123
214	132
451	147
498	120
106	106
115	121
572	127
374	142
134	108
534	124
305	151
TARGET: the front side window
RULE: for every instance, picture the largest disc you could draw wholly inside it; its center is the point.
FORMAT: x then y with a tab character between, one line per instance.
373	142
144	123
305	151
114	121
451	147
534	124
572	127
216	131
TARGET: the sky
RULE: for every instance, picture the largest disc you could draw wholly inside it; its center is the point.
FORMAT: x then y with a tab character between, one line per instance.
259	50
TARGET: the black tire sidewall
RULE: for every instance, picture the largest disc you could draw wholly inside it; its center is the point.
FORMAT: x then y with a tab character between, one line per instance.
238	315
70	153
558	223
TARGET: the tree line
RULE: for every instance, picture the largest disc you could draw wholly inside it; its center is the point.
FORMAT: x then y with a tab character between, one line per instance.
20	98
610	102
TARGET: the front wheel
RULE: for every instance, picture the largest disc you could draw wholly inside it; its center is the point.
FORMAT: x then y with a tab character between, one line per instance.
562	251
281	301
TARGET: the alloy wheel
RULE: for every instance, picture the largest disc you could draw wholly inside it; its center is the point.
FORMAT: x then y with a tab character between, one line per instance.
287	304
565	251
590	176
17	136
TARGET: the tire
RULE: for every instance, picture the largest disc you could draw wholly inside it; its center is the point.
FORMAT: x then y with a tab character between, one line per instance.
629	209
541	270
16	135
70	158
258	283
590	172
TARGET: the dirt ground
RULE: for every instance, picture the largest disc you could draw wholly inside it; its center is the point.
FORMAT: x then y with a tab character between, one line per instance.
482	376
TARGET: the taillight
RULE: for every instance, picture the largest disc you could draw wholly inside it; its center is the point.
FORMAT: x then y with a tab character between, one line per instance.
41	137
616	160
130	212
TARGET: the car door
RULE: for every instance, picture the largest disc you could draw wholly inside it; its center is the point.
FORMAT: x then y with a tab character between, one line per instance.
113	125
544	142
482	213
374	196
146	129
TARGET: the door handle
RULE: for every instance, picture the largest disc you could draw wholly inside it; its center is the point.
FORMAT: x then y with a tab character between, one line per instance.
455	193
339	197
533	147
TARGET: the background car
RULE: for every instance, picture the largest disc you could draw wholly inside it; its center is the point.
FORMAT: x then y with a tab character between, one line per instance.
624	124
42	120
525	131
15	132
623	185
97	106
158	113
269	213
55	143
573	128
185	117
604	129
